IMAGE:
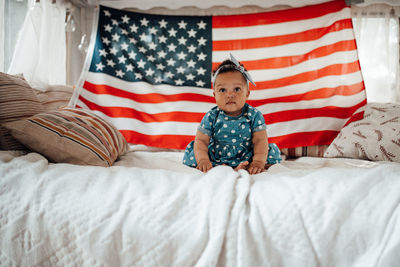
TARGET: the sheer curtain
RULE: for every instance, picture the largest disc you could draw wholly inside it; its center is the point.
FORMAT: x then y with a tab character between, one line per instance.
377	33
2	34
40	52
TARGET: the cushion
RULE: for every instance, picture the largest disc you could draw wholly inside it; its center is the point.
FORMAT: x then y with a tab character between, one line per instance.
376	137
17	101
71	135
55	97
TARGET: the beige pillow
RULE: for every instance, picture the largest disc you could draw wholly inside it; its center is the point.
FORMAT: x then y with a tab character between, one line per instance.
376	137
55	97
71	135
17	101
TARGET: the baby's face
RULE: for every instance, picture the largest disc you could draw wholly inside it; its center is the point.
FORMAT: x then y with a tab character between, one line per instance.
231	92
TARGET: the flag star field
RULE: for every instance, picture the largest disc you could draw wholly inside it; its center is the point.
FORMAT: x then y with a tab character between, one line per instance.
173	50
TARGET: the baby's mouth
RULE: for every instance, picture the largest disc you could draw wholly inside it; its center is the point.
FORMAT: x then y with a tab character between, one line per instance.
230	102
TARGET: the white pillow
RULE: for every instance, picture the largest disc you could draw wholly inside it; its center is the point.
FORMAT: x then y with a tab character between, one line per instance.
376	137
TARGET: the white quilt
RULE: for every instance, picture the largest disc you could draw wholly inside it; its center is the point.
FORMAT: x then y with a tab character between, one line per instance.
150	210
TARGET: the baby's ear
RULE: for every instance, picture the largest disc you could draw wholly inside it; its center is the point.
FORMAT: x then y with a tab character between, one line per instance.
248	92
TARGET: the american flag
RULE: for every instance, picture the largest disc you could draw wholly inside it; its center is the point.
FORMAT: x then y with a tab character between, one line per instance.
150	75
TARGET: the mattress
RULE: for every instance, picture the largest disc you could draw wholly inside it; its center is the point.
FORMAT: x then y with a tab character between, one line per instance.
151	210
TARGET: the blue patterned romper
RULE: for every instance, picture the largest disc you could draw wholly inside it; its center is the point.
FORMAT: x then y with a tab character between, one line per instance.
231	138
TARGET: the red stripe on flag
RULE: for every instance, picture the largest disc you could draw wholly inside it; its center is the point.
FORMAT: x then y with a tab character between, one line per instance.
304	139
336	69
321	93
293	14
145	98
297	114
124	112
170	141
272	41
282	62
356	117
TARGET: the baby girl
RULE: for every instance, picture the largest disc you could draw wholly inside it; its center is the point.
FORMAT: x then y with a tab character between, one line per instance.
233	133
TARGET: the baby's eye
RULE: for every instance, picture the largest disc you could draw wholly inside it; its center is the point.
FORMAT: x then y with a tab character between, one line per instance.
237	89
222	90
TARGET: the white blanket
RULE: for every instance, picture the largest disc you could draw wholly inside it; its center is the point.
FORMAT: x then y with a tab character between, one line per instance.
150	210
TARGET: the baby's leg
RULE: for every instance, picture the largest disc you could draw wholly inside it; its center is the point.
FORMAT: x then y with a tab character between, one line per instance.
274	154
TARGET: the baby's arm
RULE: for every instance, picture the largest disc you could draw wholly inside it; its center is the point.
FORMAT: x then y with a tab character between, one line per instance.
260	153
201	143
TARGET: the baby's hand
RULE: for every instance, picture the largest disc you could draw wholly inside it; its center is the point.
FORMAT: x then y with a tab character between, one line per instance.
256	167
242	165
204	165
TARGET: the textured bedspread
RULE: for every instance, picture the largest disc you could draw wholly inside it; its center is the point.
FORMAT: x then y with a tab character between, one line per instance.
150	210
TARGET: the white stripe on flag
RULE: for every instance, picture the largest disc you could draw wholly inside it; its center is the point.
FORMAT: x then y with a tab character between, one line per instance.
150	108
309	65
186	128
324	82
305	125
292	49
143	87
334	101
186	106
152	128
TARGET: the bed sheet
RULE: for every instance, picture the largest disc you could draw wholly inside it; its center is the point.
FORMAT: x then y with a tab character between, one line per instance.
151	210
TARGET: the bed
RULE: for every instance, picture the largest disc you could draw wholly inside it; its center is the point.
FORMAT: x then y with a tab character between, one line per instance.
151	210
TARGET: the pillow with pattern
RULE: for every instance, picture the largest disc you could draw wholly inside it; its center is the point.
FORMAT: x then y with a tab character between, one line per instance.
71	135
17	101
376	137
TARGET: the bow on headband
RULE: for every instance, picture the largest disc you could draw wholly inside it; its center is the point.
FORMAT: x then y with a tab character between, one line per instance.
239	68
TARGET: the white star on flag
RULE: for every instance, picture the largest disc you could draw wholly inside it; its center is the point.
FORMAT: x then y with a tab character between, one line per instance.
163	23
120	73
182	24
144	22
108	28
125	19
100	66
129	67
141	63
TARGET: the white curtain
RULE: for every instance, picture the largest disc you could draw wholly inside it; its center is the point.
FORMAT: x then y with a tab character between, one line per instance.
40	52
377	34
2	34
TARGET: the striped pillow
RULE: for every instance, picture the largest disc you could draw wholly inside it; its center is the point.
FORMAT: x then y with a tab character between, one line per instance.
17	101
71	135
